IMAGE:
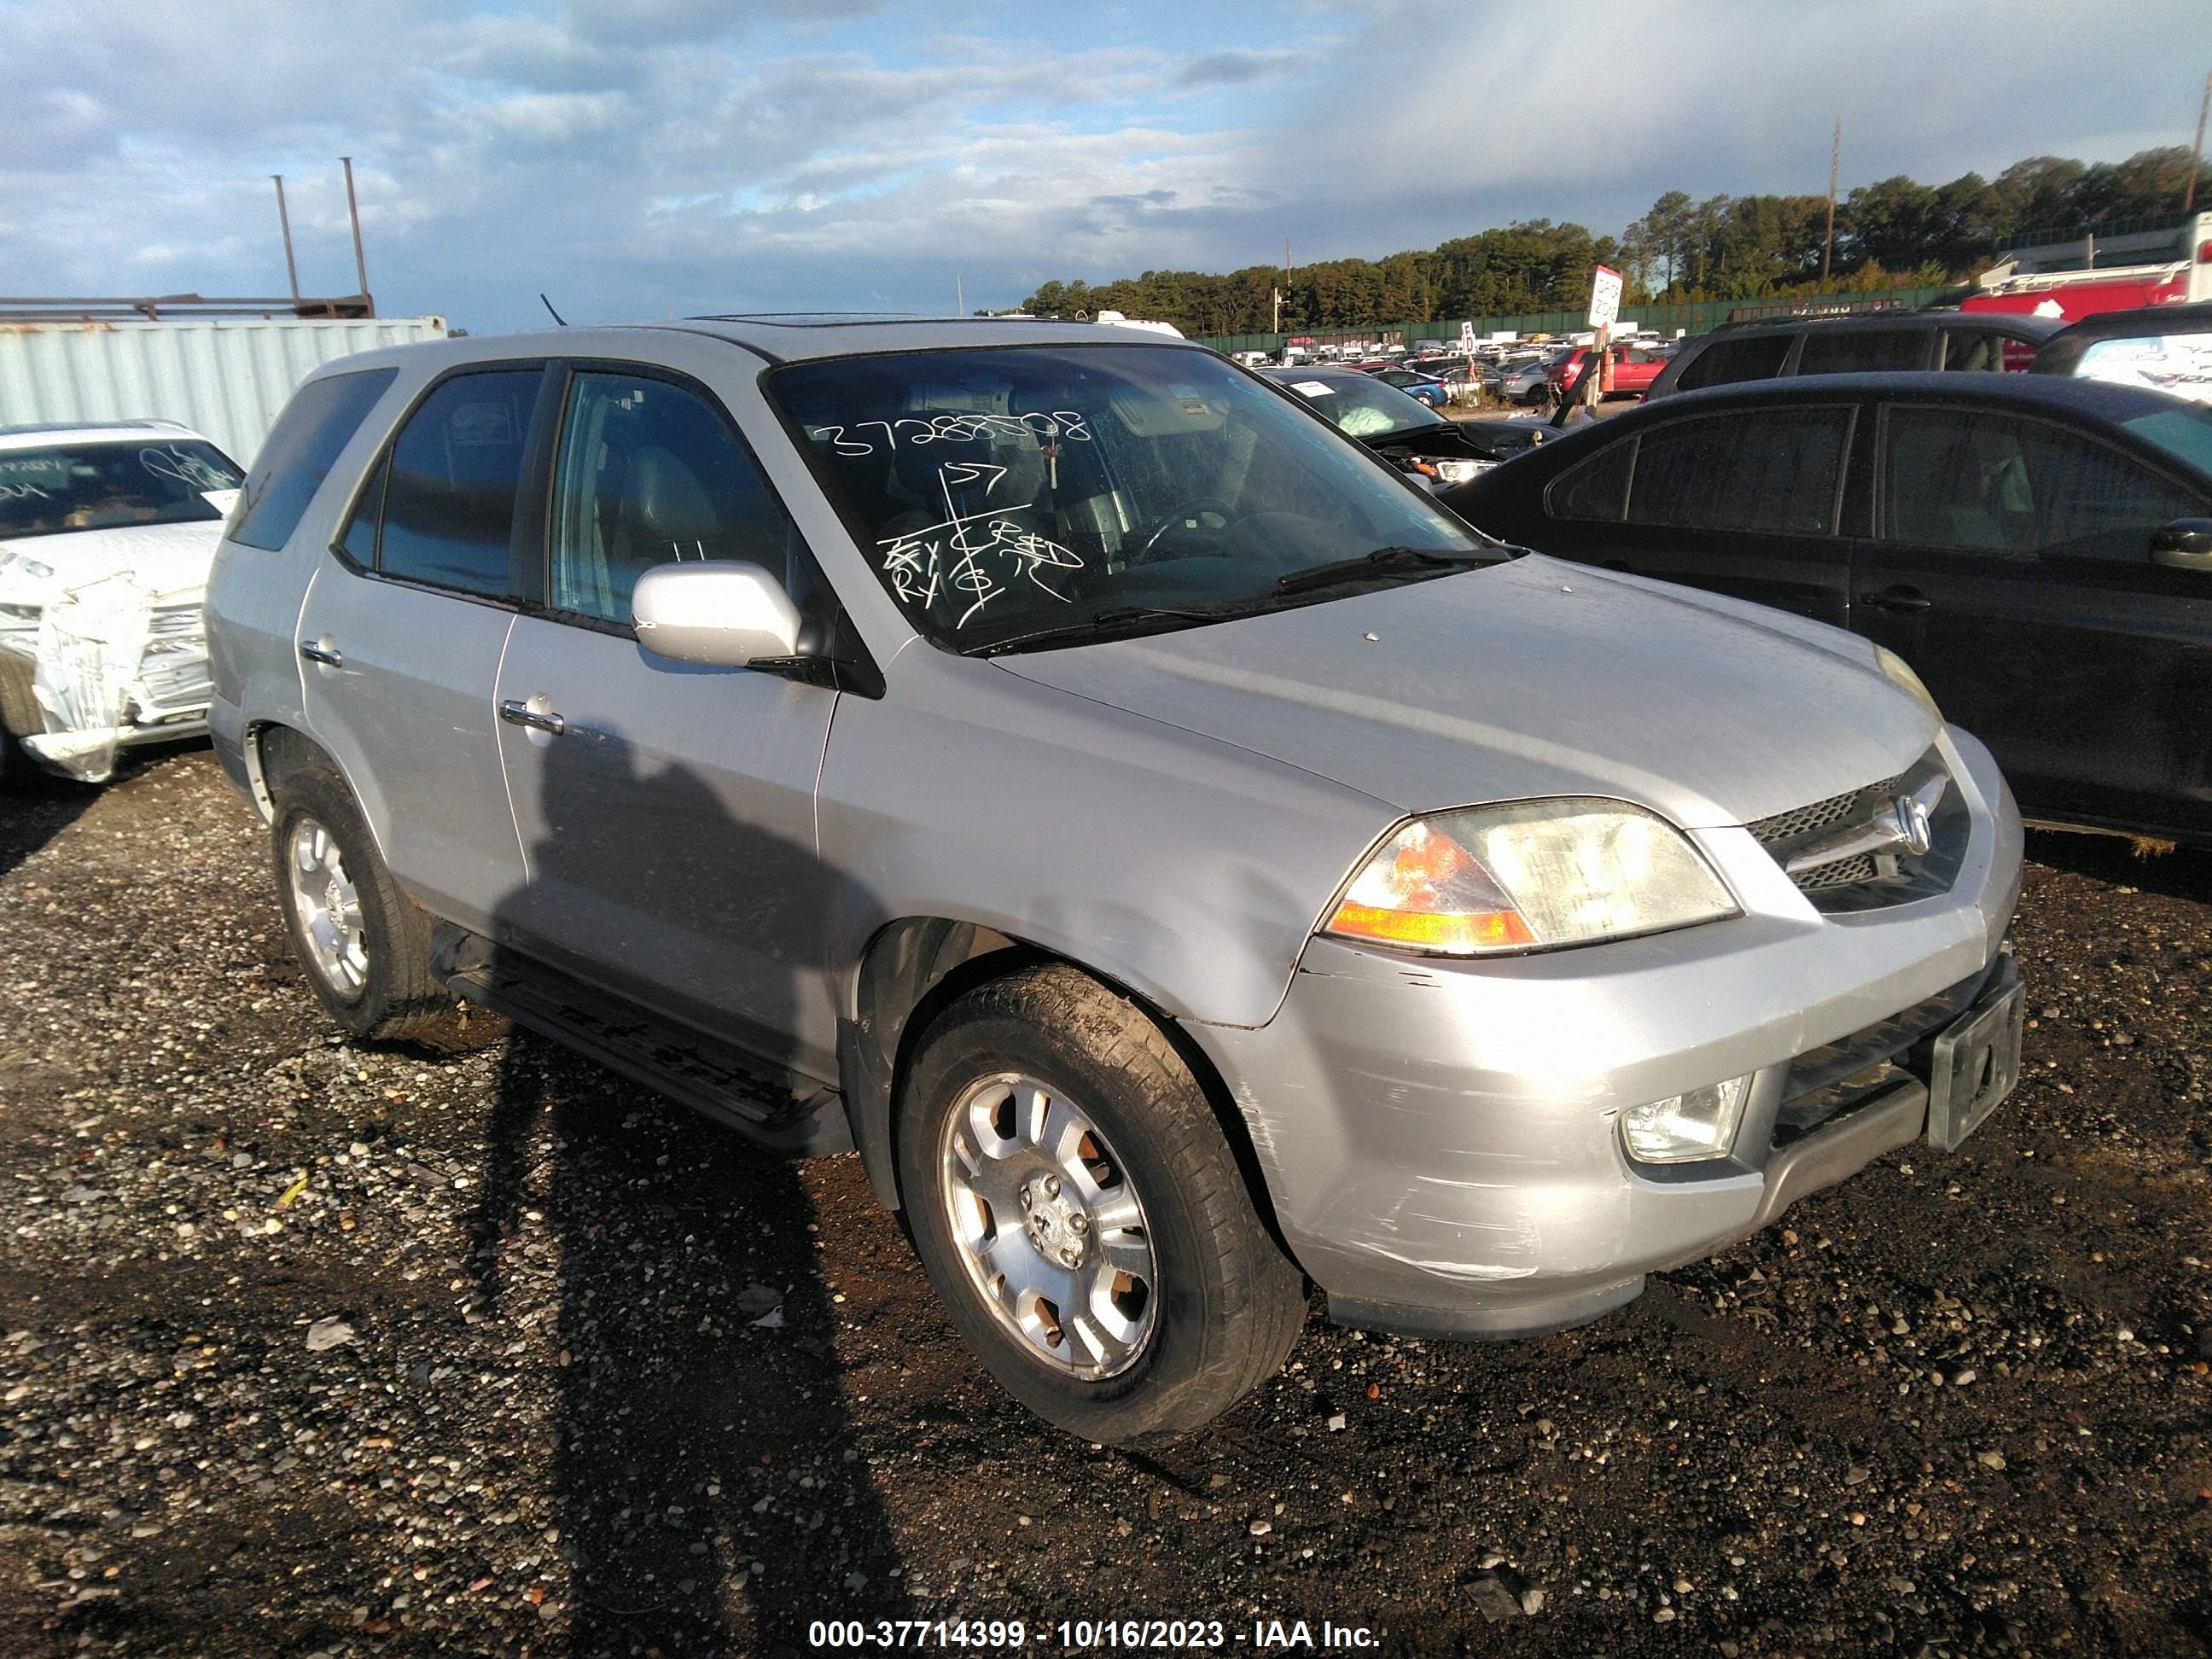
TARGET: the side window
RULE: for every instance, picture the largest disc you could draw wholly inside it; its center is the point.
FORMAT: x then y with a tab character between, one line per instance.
1774	472
1861	350
1750	357
1598	488
1956	479
1974	352
651	473
297	454
449	502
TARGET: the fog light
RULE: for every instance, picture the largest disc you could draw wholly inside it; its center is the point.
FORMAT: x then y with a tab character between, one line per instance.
1683	1127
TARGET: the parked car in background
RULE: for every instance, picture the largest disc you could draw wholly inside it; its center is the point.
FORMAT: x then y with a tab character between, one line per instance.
1633	369
1527	380
1869	342
106	532
1407	431
2165	347
1180	858
1415	384
2039	548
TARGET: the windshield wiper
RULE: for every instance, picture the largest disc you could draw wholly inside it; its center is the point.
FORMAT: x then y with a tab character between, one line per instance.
1103	623
1382	562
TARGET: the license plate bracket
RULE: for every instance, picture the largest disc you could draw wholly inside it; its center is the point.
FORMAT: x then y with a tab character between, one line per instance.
1974	1064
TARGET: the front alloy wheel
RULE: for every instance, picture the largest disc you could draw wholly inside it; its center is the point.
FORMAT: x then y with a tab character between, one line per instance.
1048	1227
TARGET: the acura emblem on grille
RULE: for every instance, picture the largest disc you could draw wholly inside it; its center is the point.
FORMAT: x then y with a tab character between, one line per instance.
1913	829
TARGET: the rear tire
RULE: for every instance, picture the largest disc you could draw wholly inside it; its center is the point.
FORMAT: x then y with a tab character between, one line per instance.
364	944
1224	1305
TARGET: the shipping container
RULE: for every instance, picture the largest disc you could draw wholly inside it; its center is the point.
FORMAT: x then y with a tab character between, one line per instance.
227	377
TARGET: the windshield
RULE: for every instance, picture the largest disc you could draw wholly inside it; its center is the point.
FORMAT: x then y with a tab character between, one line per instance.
1364	408
1000	492
98	486
2184	433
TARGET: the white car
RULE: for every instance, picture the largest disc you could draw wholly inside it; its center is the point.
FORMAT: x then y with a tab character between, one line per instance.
106	532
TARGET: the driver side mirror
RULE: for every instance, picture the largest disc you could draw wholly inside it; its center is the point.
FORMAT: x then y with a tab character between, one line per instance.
2185	544
717	611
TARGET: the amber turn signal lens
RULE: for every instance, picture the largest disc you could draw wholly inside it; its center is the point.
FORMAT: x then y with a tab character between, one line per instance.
1491	930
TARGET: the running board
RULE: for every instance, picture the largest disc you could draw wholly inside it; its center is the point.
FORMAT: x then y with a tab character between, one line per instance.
761	1100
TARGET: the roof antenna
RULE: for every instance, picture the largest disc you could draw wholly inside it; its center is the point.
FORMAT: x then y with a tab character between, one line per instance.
548	304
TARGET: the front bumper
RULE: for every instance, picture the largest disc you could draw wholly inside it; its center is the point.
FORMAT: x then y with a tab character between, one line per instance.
1440	1137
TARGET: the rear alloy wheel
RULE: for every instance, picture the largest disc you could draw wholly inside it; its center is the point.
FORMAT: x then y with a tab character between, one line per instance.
333	938
1081	1214
366	946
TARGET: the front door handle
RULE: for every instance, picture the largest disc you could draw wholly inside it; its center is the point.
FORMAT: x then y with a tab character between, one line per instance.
329	655
1898	599
515	712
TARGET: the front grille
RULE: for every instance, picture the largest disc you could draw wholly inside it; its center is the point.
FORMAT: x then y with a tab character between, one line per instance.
1843	873
1820	815
1862	880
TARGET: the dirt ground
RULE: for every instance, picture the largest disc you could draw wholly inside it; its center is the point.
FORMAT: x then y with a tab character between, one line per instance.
312	1348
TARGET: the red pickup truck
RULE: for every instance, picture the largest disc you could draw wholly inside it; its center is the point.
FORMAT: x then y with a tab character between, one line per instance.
1633	370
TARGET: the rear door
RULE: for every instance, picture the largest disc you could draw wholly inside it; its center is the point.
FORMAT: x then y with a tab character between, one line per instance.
666	808
400	636
2010	566
1744	501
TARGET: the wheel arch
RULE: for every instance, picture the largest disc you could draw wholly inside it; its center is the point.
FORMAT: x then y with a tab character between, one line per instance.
274	751
912	969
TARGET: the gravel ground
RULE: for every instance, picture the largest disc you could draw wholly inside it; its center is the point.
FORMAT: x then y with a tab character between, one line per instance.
312	1347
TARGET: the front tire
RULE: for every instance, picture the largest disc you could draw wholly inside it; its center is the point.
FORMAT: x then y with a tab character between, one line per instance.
365	945
1081	1215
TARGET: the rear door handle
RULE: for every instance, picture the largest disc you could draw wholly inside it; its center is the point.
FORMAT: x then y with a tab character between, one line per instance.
515	712
1898	599
329	655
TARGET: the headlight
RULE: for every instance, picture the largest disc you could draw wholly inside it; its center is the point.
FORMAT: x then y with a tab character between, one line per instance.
1529	877
1901	673
37	569
1686	1127
1457	472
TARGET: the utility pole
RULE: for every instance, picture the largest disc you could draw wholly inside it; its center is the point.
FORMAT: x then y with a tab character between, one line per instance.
353	211
2197	153
1835	159
1277	327
959	300
284	219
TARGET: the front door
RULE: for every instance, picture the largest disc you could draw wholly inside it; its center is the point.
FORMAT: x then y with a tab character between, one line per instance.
2011	568
666	810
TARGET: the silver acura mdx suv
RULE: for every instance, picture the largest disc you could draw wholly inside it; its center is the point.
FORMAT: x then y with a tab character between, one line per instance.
1182	861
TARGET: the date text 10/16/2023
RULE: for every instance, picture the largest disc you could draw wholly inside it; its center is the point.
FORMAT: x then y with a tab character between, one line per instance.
1089	1635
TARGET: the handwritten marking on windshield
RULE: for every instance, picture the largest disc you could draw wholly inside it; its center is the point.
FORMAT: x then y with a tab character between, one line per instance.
187	470
914	431
916	562
23	492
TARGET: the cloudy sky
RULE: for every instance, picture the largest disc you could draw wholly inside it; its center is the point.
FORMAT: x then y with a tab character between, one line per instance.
639	157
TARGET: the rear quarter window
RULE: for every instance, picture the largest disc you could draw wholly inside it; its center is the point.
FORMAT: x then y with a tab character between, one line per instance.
1596	489
298	452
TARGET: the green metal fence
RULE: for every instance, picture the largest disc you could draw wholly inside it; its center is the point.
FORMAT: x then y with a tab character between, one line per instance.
1693	317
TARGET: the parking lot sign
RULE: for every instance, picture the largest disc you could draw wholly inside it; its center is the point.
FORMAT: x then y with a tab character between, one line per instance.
1605	297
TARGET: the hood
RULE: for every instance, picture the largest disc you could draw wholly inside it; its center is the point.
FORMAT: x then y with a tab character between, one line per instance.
164	557
1531	678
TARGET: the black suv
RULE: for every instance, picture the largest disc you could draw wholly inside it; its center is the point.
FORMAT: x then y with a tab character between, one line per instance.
1775	347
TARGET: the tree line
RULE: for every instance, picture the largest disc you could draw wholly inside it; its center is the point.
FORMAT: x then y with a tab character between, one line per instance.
1895	233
